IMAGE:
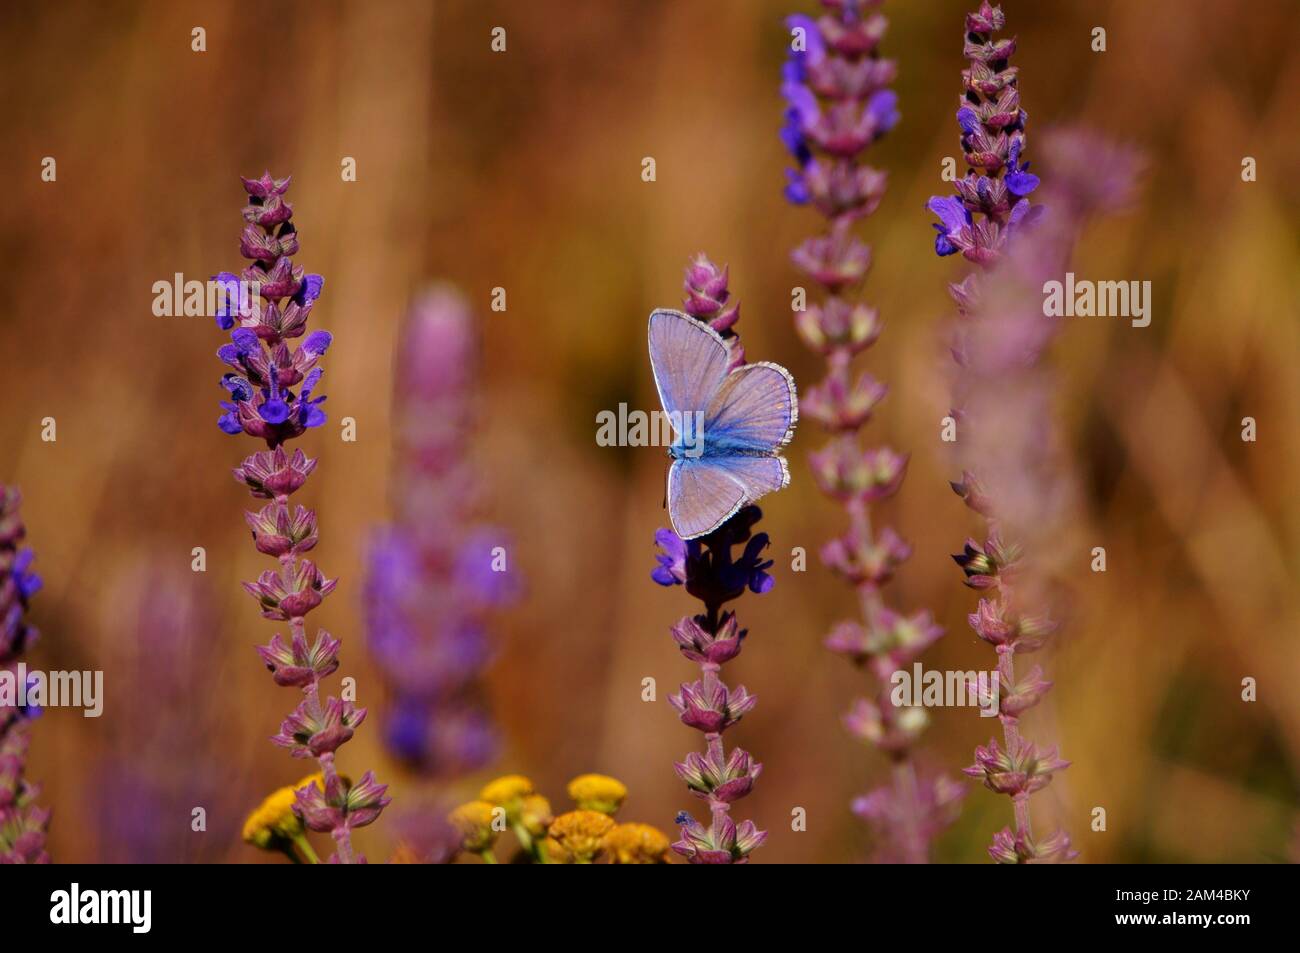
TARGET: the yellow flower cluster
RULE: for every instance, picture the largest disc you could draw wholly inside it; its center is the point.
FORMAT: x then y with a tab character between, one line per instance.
580	836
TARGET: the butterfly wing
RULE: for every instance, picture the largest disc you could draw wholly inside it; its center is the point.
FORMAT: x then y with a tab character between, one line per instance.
701	497
749	414
689	361
705	492
753	411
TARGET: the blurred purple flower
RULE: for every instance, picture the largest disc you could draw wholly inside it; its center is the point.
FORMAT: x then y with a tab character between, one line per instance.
22	823
1014	475
434	576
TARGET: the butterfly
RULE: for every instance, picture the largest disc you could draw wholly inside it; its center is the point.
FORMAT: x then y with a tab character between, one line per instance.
729	426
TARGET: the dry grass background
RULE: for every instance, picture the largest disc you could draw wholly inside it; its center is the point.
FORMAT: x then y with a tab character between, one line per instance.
522	171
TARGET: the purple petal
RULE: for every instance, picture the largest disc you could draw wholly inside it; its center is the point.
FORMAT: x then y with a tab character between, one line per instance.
274	411
309	383
883	107
318	342
796	190
950	211
942	247
311	288
244	340
802	102
1021	183
662	576
313	416
239	388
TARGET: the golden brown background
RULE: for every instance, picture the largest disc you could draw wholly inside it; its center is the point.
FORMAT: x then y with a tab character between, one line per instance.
522	170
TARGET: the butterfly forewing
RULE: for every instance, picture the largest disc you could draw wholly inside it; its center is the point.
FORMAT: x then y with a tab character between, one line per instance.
754	410
689	361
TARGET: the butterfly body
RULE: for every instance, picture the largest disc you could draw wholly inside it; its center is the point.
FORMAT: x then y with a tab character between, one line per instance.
730	424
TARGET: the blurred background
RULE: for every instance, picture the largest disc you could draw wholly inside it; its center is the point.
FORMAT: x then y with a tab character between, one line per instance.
521	170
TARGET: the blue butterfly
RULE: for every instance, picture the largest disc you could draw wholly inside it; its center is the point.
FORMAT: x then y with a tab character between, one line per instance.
729	426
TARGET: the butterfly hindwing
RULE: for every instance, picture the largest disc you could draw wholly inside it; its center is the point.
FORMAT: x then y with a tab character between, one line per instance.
701	496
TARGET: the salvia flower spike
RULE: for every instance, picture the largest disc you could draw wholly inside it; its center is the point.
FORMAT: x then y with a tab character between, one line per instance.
22	823
836	88
272	387
715	569
983	222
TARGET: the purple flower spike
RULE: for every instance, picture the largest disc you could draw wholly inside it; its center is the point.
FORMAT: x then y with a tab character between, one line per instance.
435	576
1003	396
993	137
266	307
717	569
844	107
262	403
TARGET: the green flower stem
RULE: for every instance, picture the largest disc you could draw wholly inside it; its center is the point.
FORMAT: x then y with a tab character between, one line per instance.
304	845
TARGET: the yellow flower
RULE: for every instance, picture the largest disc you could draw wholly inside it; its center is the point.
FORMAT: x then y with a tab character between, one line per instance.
508	792
575	837
636	844
273	821
535	815
508	788
597	792
474	823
